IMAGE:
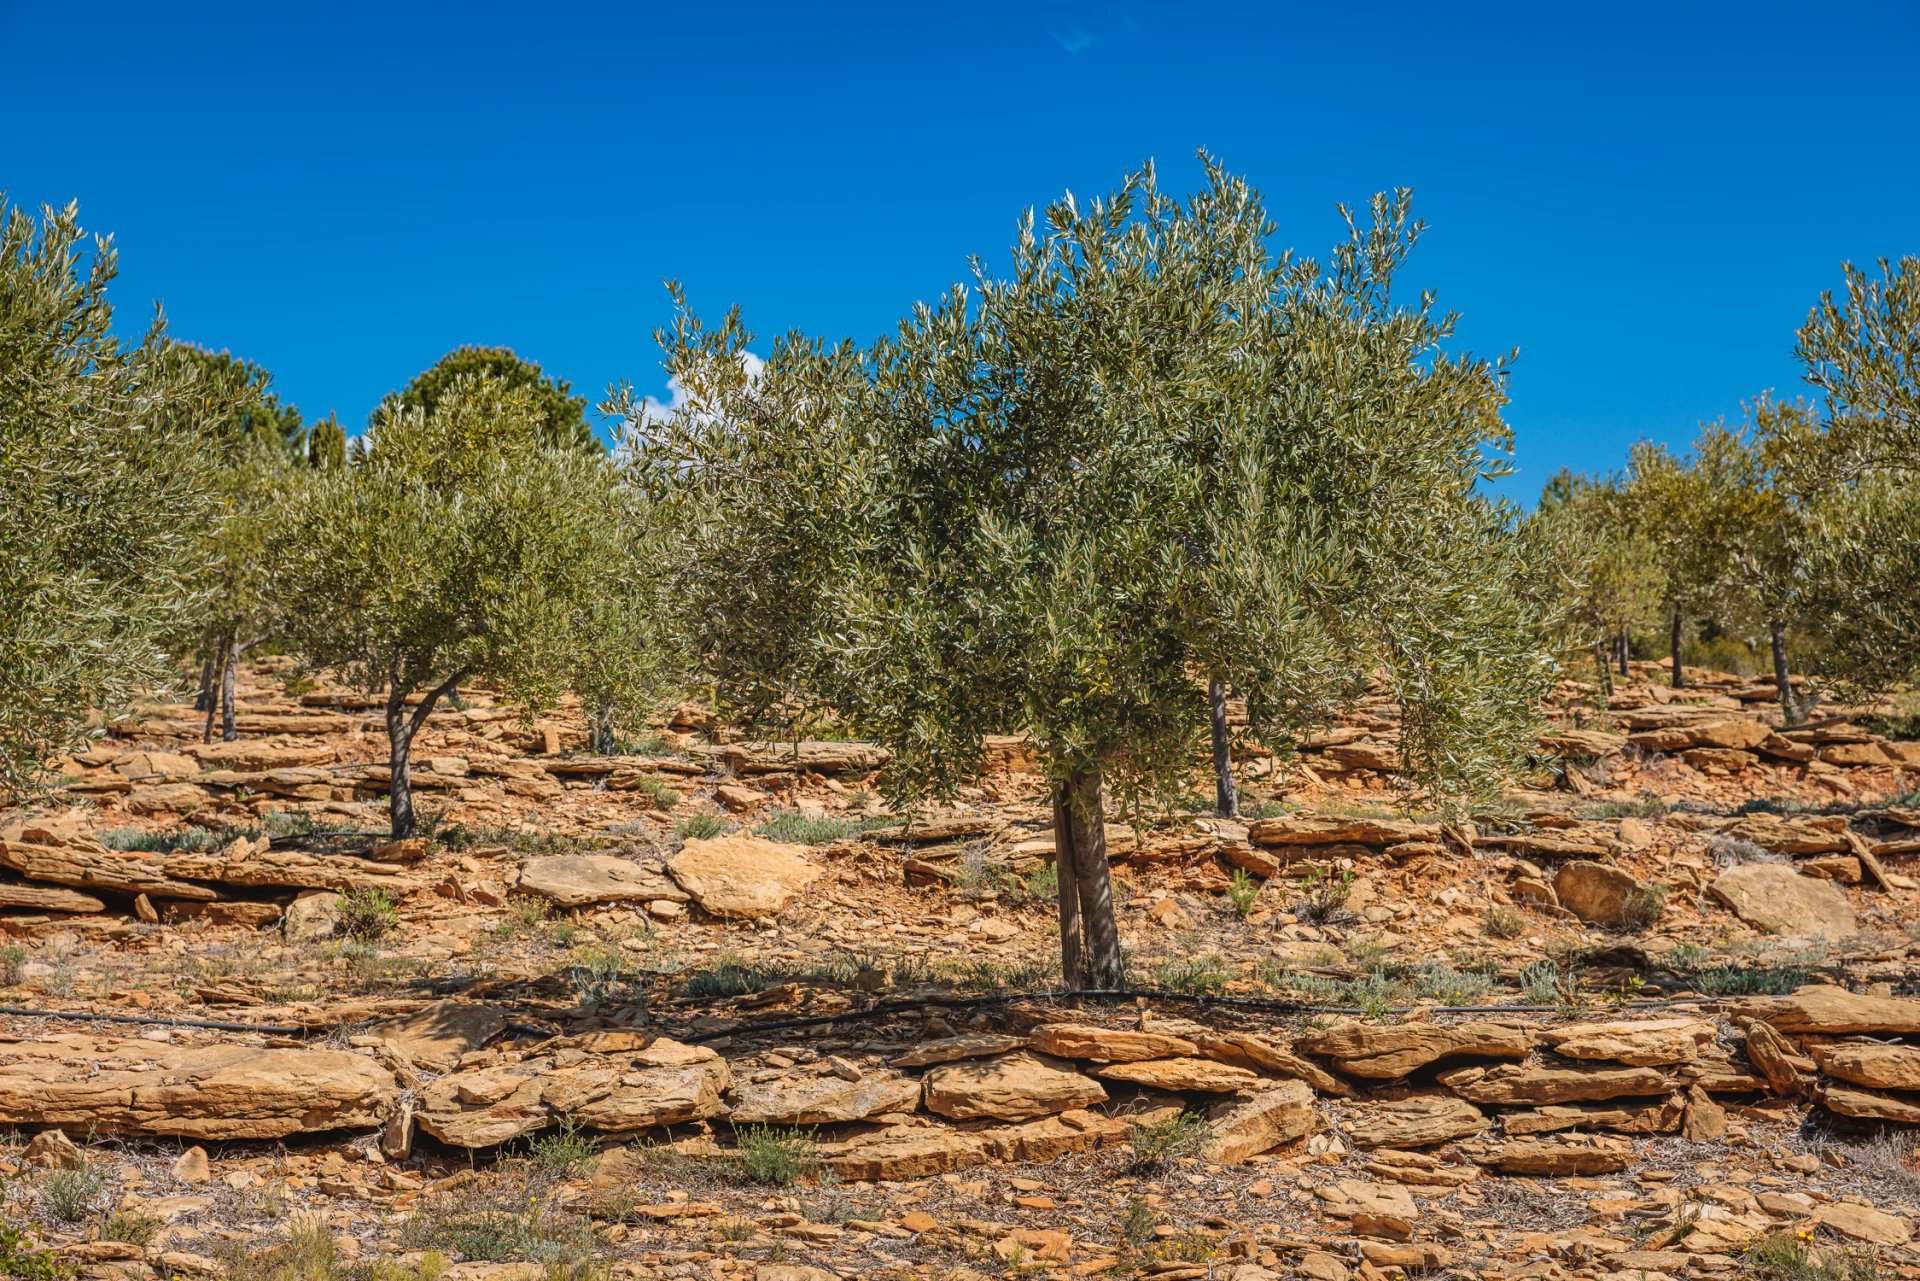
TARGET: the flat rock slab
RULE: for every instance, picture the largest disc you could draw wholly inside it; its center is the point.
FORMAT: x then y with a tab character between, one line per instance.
1420	1122
576	880
1381	1053
742	876
1182	1076
1245	1126
1106	1045
623	1089
1556	1157
1018	1087
1599	894
1313	830
437	1036
1637	1043
952	1049
1245	1049
1776	898
904	1152
1872	1064
1834	1011
204	1092
825	1100
1531	1085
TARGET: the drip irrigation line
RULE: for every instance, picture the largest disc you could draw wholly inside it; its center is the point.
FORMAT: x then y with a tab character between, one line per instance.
886	1008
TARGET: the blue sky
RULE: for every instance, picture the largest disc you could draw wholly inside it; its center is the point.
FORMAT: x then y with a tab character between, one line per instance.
1644	199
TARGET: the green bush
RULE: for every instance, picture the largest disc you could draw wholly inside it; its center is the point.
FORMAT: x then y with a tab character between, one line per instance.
802	829
1243	892
368	914
70	1195
701	827
21	1260
774	1156
1158	1144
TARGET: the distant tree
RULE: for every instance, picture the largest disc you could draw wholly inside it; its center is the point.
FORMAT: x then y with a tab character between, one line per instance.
98	500
327	444
462	545
1061	503
235	409
1611	583
560	418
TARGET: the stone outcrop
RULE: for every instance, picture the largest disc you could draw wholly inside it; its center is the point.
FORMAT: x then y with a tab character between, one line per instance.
742	876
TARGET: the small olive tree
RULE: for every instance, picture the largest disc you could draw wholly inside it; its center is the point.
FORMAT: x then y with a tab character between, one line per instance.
1610	583
460	545
1062	502
99	500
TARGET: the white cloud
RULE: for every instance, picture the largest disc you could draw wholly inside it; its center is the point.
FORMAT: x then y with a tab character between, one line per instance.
655	410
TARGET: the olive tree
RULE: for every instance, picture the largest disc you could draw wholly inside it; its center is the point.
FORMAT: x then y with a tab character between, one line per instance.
1609	580
98	498
1863	352
460	545
1063	500
559	416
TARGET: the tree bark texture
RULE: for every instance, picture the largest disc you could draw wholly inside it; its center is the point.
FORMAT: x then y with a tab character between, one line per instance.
1226	798
1782	678
402	727
229	679
1679	676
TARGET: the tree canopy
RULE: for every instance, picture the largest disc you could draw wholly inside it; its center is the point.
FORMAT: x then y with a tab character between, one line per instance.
98	494
1054	502
558	416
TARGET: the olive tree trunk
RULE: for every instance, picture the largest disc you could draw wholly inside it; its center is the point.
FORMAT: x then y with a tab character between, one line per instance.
1226	798
1782	678
600	735
1089	933
229	679
203	702
402	727
1679	676
1626	652
1606	669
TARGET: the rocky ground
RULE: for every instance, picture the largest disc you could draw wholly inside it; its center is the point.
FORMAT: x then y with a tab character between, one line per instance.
711	1008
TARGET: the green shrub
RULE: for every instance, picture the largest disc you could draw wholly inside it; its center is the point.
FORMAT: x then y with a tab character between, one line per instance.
1242	892
1752	980
802	829
21	1260
1786	1256
13	959
774	1156
1642	908
1158	1144
1323	896
368	914
701	827
563	1152
725	977
1202	974
129	1226
1506	922
70	1195
657	792
596	975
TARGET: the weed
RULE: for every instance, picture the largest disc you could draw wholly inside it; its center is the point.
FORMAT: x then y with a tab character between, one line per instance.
1437	980
1789	1256
645	745
1756	980
1548	983
1642	908
367	914
13	959
701	827
20	1260
1158	1144
70	1195
1041	885
1374	994
596	975
129	1226
1140	1221
656	791
1204	974
725	977
563	1152
803	829
1242	892
1505	922
1646	805
774	1156
1323	897
133	840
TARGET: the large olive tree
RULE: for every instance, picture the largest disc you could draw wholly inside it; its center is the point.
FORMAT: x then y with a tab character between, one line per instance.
460	544
99	499
1058	502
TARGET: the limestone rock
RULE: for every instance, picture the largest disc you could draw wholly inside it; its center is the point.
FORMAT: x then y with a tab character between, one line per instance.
1869	1106
1382	1053
1557	1157
221	1092
313	918
1250	1124
1530	1085
1599	894
48	898
826	1100
1874	1065
1776	898
255	863
1833	1011
742	876
1814	834
1863	1223
951	1049
623	1091
1106	1045
53	1150
1637	1043
576	880
1303	829
1244	1049
904	1152
1182	1076
1050	1137
1423	1121
439	1035
1017	1087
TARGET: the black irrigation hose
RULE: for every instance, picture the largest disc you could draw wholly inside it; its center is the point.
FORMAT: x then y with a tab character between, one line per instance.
1127	994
